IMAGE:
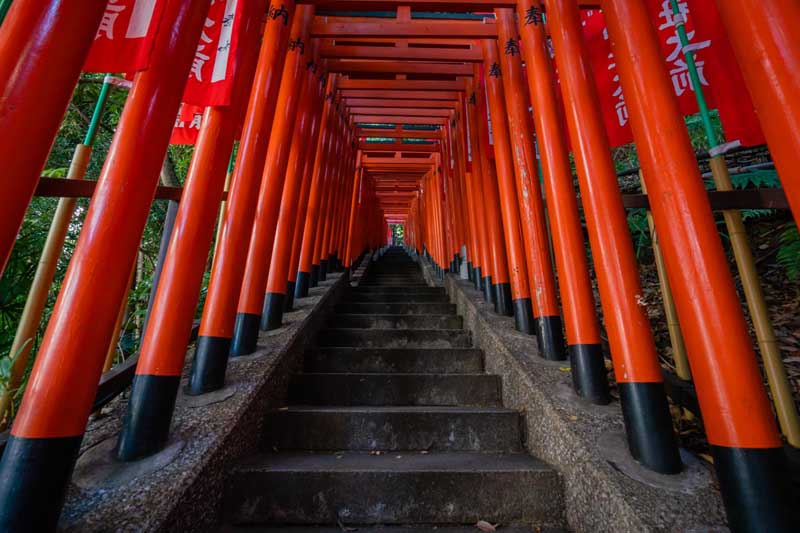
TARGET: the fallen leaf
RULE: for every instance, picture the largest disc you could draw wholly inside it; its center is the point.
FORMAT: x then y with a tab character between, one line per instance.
706	457
573	418
483	525
565	368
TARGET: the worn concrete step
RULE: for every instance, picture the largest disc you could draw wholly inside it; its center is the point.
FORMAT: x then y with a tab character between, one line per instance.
397	308
397	321
396	488
394	338
428	528
414	284
358	297
395	389
434	429
401	276
406	284
389	360
378	289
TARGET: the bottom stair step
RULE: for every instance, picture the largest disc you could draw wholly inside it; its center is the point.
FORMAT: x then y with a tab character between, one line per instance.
394	488
384	529
393	428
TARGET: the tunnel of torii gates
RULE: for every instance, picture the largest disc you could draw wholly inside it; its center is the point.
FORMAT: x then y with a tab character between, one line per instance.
311	191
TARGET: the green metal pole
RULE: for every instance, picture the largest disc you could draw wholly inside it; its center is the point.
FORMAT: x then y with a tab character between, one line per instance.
694	75
99	109
773	364
4	7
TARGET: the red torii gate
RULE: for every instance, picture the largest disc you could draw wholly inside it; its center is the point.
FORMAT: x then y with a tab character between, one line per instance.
449	208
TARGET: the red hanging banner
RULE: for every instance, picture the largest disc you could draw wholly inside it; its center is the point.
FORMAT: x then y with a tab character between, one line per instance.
187	125
125	37
719	74
210	80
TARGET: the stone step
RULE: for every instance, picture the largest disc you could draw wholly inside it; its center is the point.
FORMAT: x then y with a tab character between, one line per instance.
394	283
358	297
393	429
395	389
389	360
394	338
399	275
397	308
397	488
430	528
397	321
377	289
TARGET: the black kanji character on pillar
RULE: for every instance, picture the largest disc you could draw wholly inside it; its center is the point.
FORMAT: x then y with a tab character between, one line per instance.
297	44
275	12
512	47
533	16
494	70
310	65
329	97
472	98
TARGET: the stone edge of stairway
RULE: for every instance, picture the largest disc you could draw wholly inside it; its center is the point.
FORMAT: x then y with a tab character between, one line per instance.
565	432
185	494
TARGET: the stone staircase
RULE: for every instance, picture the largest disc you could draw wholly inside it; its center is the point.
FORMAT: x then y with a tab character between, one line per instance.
393	426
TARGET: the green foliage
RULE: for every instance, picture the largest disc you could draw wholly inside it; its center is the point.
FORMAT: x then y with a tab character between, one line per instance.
640	231
789	252
19	272
398	234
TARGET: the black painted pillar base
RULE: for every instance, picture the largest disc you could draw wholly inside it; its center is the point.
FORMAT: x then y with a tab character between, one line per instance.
502	299
209	365
470	271
145	429
648	426
314	281
245	334
589	376
303	284
477	280
288	304
272	317
755	489
523	316
323	270
551	340
488	290
34	477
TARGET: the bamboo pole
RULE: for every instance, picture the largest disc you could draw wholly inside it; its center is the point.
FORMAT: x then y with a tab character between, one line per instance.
773	365
222	205
674	328
45	271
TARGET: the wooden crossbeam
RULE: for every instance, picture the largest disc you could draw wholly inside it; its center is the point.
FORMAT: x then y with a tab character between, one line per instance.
403	94
402	85
374	161
393	102
381	119
397	133
472	55
430	29
446	6
397	147
394	112
347	66
449	6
